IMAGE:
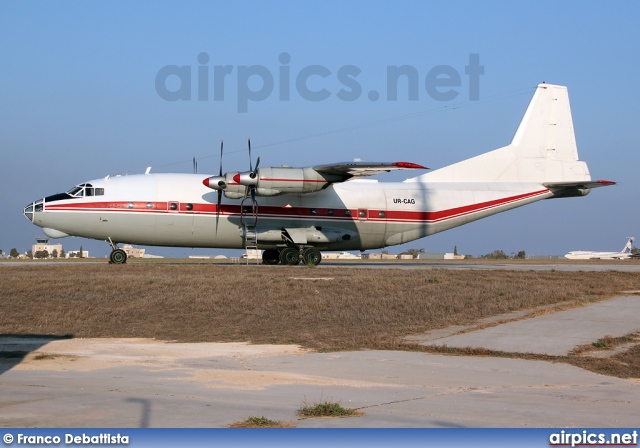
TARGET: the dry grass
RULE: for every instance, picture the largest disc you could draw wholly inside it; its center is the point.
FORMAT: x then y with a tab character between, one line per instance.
359	308
606	343
326	408
260	422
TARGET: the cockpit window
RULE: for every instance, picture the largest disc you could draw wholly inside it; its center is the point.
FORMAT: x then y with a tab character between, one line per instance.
83	190
75	190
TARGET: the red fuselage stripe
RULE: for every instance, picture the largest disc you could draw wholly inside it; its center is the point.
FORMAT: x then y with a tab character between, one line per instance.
291	212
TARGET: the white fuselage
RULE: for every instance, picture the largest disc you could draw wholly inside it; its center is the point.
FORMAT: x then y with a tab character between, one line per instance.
588	255
305	210
177	210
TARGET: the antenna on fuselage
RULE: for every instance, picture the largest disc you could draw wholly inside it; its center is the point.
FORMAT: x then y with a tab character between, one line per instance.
146	172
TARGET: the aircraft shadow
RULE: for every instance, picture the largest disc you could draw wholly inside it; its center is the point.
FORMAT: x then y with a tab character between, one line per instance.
15	347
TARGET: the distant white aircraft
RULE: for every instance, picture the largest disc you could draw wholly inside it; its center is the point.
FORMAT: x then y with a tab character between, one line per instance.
588	255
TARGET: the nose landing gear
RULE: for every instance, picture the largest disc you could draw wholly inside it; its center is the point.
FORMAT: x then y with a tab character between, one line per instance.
117	256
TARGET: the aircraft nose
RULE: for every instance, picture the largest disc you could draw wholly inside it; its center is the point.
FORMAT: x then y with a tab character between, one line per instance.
28	212
34	207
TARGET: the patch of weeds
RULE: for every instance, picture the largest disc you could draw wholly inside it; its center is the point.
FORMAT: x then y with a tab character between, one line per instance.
44	356
433	279
260	422
607	342
326	408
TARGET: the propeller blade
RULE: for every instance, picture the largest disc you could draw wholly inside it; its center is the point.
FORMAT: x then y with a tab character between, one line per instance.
221	146
195	166
257	163
250	165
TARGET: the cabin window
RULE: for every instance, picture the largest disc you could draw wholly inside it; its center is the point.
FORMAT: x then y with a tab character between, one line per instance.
173	206
130	205
313	211
99	191
149	204
189	206
347	212
330	212
381	214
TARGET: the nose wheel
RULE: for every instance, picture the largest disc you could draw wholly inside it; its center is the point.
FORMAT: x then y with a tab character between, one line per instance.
118	256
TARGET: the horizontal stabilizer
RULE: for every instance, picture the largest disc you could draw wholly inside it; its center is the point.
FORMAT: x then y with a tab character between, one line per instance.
581	185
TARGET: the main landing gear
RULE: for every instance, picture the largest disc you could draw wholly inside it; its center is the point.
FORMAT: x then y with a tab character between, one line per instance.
292	256
117	256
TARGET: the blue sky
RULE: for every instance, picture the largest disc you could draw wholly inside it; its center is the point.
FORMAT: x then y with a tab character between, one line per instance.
78	99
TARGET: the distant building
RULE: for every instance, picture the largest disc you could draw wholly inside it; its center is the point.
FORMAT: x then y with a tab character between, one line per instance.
42	244
339	256
76	253
133	252
439	256
382	256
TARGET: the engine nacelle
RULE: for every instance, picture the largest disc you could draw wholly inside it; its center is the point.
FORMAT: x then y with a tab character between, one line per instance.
271	181
290	180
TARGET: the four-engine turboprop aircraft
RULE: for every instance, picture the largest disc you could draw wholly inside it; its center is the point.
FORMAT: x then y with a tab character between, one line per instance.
293	213
624	254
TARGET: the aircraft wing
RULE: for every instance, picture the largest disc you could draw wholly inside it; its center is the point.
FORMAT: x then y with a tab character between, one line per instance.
580	185
348	170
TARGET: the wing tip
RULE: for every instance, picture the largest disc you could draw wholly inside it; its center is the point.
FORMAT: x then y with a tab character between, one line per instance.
409	165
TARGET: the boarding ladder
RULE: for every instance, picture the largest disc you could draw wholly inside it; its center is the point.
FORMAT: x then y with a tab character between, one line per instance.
248	220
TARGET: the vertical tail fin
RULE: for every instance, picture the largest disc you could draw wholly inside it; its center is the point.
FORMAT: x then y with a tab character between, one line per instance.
543	149
627	247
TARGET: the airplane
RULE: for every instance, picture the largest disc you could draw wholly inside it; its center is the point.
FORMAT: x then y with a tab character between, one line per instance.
294	213
624	254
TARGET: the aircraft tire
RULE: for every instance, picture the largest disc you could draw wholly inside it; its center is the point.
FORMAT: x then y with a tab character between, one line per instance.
271	256
290	256
312	256
118	256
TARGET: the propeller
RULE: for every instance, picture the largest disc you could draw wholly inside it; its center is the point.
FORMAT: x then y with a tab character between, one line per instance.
195	166
253	173
222	184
